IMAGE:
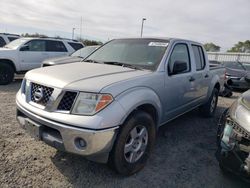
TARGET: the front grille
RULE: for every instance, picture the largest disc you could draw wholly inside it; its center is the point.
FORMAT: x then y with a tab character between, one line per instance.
67	101
40	94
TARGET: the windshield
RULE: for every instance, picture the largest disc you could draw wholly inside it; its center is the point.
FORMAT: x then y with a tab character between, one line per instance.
144	53
246	66
16	43
84	52
234	65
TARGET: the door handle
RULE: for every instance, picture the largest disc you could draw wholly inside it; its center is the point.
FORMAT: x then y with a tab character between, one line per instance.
206	76
191	79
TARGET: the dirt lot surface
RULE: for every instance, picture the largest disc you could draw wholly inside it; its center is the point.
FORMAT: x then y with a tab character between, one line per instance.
183	156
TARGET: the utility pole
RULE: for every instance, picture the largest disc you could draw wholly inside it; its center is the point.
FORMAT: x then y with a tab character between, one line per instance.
73	31
81	29
143	19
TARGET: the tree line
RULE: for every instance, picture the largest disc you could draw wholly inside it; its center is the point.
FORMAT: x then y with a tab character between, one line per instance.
241	47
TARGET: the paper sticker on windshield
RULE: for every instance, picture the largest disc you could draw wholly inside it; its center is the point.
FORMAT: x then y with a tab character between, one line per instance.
159	44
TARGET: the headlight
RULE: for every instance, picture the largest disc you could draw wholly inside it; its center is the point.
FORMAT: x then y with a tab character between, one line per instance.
91	103
245	102
23	86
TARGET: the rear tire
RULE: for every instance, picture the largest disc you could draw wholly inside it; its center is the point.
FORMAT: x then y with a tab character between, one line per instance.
209	108
6	74
134	144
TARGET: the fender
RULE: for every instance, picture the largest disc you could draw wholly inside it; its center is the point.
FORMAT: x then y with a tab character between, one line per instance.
215	80
132	98
10	62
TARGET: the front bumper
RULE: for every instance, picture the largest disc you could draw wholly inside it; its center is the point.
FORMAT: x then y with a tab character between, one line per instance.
233	151
85	142
240	83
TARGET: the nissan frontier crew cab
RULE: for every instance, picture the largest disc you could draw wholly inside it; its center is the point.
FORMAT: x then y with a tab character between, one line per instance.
109	107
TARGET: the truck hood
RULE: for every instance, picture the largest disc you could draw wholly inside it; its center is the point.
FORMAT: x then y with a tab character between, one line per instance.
62	60
236	72
82	76
6	50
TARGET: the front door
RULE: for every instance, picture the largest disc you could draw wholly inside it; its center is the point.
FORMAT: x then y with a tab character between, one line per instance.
179	88
32	54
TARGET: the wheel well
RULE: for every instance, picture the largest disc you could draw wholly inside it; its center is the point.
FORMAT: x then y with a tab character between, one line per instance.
217	86
151	110
9	62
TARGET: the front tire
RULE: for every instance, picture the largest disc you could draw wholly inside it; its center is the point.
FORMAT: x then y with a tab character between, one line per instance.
134	144
6	74
209	108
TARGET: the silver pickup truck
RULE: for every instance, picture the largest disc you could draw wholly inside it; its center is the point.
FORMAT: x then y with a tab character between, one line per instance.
109	107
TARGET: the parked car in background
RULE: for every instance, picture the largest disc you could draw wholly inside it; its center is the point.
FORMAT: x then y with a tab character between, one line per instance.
227	92
77	56
238	74
6	38
24	54
233	137
109	107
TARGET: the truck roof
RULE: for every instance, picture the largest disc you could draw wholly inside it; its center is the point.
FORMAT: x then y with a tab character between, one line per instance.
169	39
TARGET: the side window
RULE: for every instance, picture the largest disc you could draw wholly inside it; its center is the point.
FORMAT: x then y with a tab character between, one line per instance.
180	53
12	38
2	42
36	45
55	46
75	46
199	57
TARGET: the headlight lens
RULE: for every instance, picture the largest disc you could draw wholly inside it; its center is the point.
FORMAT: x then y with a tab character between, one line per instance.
23	86
245	102
91	103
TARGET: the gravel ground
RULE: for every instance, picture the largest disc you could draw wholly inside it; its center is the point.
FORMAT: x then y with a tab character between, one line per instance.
184	156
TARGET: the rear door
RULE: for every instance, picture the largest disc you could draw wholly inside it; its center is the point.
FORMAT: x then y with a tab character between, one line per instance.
201	73
32	54
179	88
56	48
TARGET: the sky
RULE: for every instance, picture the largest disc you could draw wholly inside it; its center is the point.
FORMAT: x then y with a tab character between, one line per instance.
223	22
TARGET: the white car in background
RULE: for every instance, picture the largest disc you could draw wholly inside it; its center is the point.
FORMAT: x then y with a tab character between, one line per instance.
6	38
25	54
77	56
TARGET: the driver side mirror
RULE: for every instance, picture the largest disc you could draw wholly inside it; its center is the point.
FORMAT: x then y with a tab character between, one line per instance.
179	67
25	48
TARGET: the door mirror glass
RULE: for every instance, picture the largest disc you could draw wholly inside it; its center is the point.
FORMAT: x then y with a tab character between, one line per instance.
25	48
179	67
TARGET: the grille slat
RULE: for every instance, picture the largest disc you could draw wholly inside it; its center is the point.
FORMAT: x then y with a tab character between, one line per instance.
45	92
67	101
239	129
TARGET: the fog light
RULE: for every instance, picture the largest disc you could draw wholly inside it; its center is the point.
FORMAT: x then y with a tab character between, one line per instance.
80	143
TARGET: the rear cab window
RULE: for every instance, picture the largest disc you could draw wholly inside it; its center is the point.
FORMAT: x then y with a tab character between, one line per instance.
199	57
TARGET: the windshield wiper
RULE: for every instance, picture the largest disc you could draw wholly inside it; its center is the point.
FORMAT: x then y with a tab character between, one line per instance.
92	61
123	65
